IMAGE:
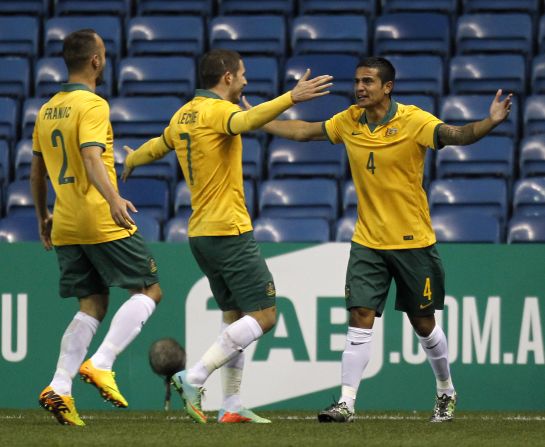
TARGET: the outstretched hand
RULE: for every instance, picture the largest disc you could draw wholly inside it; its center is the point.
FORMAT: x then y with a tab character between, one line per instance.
499	110
126	170
307	89
44	227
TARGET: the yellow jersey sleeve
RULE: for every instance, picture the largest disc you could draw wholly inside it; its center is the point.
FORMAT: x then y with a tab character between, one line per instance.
424	128
93	125
220	116
334	125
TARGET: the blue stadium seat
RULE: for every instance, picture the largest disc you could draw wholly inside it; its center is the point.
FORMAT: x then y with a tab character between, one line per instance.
182	200
250	197
429	163
19	198
50	72
532	156
168	36
23	159
19	36
359	7
154	76
529	6
176	230
541	35
19	229
341	66
319	109
143	117
57	28
486	73
175	7
305	159
529	197
412	33
92	7
462	109
252	158
330	34
284	7
345	229
526	229
467	227
350	200
418	75
534	115
31	107
262	76
4	168
441	6
148	227
486	195
25	7
494	33
149	196
490	157
299	198
425	102
537	84
14	77
291	230
262	35
8	119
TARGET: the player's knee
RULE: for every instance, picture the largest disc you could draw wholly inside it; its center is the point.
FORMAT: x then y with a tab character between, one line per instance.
154	292
269	319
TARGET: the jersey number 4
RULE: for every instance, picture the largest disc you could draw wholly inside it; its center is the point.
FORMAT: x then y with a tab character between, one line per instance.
56	139
371	163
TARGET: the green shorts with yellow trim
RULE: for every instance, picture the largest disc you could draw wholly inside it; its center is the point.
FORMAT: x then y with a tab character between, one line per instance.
238	275
418	274
89	269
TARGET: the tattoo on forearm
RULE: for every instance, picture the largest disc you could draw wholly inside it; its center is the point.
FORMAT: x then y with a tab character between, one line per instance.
457	135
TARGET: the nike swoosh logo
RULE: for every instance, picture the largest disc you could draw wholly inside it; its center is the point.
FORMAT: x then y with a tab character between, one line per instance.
352	343
423	306
431	347
356	133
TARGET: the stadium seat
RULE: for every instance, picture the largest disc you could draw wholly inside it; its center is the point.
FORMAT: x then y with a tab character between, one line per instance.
50	72
92	7
38	8
330	34
149	196
356	7
19	36
350	200
176	230
31	107
526	229
14	77
154	76
462	109
144	117
441	6
175	7
23	159
534	115
262	35
8	119
319	109
490	157
252	158
148	227
305	159
262	76
341	66
418	75
299	198
19	198
182	200
486	73
529	6
494	33
412	33
537	84
19	229
57	28
466	227
486	195
529	197
541	35
291	230
284	7
344	230
532	156
250	197
4	168
165	36
425	102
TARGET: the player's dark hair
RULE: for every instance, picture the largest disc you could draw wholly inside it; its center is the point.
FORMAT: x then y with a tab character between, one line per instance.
386	71
214	64
78	48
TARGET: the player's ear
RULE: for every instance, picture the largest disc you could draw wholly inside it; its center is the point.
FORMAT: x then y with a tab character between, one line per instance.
389	86
228	76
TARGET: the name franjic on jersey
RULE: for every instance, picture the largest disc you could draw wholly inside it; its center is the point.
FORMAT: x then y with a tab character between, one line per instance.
55	113
188	118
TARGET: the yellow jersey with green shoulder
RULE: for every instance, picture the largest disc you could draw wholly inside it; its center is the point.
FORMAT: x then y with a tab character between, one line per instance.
387	165
211	160
71	120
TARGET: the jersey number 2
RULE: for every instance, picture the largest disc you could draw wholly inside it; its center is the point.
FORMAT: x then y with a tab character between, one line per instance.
57	137
185	137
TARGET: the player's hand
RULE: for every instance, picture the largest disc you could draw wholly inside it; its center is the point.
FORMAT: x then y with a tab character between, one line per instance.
126	170
44	227
119	209
499	110
307	89
246	104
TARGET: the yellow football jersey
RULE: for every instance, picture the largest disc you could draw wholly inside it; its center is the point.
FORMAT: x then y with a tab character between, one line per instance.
211	159
73	119
387	164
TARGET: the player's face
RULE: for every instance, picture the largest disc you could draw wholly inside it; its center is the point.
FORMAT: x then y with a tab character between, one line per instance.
238	82
100	61
369	90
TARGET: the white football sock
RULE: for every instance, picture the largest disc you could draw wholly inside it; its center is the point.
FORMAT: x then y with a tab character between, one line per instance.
356	355
126	325
436	349
231	379
74	345
231	342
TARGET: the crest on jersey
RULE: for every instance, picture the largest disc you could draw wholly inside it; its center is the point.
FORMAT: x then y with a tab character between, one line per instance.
390	131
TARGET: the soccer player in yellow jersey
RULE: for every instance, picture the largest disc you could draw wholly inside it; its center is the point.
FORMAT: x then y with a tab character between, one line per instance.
94	236
205	133
386	144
